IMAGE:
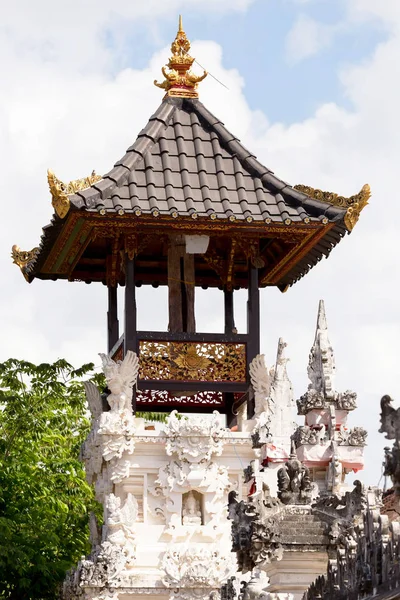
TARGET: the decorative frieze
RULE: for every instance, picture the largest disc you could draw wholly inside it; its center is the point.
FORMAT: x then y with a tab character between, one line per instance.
194	439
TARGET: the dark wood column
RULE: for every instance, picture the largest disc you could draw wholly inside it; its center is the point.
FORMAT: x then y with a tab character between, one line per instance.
181	277
253	328
112	317
229	312
130	333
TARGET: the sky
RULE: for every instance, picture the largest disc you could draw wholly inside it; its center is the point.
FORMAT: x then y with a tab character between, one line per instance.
312	87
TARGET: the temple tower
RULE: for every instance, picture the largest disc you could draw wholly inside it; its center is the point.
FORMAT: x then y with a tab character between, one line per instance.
186	206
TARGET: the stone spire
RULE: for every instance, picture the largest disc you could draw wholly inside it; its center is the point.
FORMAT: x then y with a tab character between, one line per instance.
281	395
321	365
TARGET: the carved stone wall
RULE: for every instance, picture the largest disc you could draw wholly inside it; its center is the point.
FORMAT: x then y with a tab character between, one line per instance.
165	496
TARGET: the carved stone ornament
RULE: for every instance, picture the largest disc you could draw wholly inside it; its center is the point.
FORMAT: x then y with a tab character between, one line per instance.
260	381
255	529
177	478
366	568
196	567
352	437
109	562
321	393
321	366
194	438
309	435
342	513
294	482
111	439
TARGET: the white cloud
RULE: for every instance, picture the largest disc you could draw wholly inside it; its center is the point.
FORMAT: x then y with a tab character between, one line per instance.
306	38
76	119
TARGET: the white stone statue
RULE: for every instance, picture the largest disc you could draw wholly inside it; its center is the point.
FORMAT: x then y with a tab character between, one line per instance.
93	398
260	381
191	513
321	366
121	376
120	526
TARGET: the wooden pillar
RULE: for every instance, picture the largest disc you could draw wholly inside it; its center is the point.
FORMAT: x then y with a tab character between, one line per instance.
188	278
180	286
130	333
112	317
253	327
229	312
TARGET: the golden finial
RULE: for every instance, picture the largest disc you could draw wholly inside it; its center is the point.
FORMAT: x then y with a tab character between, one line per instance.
179	80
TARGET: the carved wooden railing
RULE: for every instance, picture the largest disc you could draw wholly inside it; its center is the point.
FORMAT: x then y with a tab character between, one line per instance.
190	362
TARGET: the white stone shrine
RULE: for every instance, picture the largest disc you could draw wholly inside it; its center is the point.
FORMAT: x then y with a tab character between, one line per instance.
165	489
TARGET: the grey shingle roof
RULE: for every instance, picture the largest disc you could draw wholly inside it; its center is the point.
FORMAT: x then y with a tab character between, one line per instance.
186	163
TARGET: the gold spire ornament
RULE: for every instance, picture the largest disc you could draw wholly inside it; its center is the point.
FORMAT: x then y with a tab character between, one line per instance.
180	81
60	191
353	204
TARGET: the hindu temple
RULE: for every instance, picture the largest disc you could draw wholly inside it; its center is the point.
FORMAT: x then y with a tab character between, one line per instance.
188	207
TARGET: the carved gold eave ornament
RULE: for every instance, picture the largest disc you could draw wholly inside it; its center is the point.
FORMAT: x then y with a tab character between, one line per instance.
23	258
353	204
61	191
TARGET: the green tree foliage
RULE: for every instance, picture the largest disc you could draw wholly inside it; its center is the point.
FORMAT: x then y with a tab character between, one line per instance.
44	497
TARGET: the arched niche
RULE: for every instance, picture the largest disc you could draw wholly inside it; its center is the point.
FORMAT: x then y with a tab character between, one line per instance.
192	508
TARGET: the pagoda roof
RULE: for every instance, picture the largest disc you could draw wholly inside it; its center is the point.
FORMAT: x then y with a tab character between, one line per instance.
186	163
186	173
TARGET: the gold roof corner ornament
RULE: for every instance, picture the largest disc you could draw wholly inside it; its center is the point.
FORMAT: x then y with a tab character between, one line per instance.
353	204
359	201
180	81
22	258
60	191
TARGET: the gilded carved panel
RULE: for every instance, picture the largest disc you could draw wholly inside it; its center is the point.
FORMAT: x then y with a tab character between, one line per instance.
191	361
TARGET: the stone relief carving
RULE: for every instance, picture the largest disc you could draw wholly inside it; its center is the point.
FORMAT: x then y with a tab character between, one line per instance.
309	435
176	478
294	483
342	512
194	439
196	567
255	529
366	569
109	561
352	437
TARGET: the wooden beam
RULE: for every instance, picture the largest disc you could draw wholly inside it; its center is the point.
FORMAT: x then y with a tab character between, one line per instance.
112	318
